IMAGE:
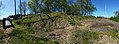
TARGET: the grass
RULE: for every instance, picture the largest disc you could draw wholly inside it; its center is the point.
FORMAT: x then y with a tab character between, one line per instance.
84	37
75	20
1	26
48	24
23	33
23	37
34	18
57	16
114	33
72	21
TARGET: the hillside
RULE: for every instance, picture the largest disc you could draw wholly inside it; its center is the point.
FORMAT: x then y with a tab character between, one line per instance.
65	29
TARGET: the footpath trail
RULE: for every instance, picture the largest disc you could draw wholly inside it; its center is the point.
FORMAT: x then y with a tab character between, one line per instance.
6	37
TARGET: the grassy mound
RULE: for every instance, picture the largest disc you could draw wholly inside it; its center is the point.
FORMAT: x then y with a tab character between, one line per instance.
65	29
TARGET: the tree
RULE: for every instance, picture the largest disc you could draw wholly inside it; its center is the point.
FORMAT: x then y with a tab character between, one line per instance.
54	5
86	7
117	13
24	7
1	5
38	6
62	5
20	10
47	7
33	6
81	7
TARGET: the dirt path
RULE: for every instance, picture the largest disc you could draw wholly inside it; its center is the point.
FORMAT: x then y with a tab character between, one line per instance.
6	37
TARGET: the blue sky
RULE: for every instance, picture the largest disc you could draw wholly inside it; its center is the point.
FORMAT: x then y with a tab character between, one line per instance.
8	8
105	8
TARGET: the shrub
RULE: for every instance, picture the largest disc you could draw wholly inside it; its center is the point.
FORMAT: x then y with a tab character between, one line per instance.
115	19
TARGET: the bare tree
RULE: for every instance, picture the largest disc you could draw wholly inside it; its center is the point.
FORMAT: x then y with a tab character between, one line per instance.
15	6
20	10
24	7
1	5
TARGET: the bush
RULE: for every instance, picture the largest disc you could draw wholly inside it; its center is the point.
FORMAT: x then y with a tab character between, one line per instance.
115	19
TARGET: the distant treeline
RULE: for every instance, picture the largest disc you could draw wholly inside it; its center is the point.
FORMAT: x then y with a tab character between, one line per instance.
71	7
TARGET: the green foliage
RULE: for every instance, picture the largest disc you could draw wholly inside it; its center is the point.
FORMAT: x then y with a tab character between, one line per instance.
28	19
117	13
29	30
33	6
1	25
16	32
80	7
84	37
115	19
